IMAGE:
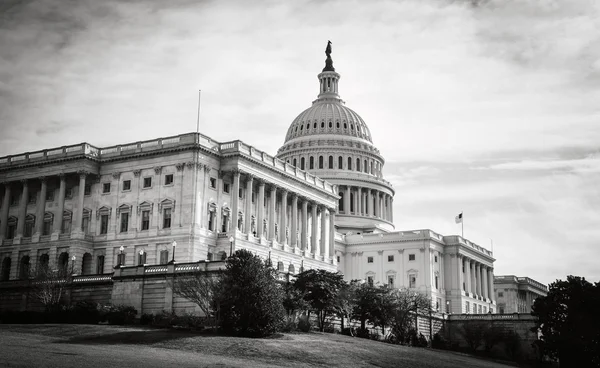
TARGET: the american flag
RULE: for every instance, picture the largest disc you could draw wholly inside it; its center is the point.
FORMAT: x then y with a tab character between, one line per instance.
458	218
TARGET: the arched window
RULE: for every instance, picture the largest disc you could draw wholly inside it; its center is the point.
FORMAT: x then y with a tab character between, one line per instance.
295	162
351	202
366	168
311	164
349	163
43	263
86	264
307	126
345	126
320	162
358	164
24	268
302	163
315	125
5	274
280	266
11	229
291	269
337	125
29	225
301	127
296	129
322	124
371	167
340	163
63	261
352	126
341	202
331	162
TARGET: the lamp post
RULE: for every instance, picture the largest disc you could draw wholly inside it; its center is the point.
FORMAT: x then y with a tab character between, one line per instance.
174	244
141	260
231	239
73	263
121	250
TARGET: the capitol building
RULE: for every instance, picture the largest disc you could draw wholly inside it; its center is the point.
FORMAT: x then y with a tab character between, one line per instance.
322	202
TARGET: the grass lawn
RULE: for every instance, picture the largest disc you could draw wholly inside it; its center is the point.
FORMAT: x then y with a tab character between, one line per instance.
285	350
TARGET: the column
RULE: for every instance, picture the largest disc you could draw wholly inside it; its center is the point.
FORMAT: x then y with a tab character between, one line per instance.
324	234
479	283
260	209
4	214
294	232
304	226
202	205
80	196
272	200
347	200
283	214
377	208
332	236
392	209
22	209
248	210
58	216
460	278
491	283
484	281
468	275
359	196
473	278
369	200
355	202
40	208
315	224
235	199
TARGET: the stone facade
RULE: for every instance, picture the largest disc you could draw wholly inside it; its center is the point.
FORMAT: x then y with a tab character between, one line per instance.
517	294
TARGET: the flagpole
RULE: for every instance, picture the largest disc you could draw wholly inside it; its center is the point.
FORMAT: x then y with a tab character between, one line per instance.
198	117
462	224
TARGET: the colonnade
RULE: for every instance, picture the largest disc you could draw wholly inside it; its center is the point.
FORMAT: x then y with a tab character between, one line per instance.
477	278
366	202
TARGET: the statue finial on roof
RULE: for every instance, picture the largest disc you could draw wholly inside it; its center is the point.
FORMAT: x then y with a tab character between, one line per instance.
328	62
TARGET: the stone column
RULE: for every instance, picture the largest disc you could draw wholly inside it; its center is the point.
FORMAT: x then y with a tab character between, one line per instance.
283	214
260	209
324	234
202	206
23	210
315	224
377	205
369	200
79	213
392	209
355	201
248	214
304	228
4	214
473	277
332	236
40	210
484	281
61	208
272	200
491	283
235	199
359	210
468	277
479	281
294	232
347	200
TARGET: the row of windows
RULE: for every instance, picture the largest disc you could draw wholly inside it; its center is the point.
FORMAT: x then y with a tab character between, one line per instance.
390	258
367	166
301	128
477	308
146	183
412	281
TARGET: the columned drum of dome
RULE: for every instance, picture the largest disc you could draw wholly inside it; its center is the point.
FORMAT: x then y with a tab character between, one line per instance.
333	142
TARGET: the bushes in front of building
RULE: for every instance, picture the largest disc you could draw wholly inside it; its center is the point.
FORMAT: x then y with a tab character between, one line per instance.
83	312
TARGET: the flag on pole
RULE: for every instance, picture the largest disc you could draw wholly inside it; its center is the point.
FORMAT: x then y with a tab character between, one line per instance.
459	218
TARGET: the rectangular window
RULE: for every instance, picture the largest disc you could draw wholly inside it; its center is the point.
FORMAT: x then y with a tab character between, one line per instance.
213	183
436	282
391	282
66	226
391	258
87	190
103	224
126	184
28	229
47	230
412	281
10	231
166	218
467	307
50	195
164	256
370	280
464	287
100	265
169	179
338	259
32	198
240	194
479	309
69	193
145	220
106	188
369	259
14	200
411	257
484	309
500	294
435	259
147	182
253	197
85	225
141	259
225	187
124	222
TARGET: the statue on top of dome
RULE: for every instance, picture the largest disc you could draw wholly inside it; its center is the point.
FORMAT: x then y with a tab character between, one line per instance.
328	62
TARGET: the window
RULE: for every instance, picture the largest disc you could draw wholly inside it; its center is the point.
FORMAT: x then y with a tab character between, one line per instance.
436	282
103	224
166	218
32	198
145	220
311	164
435	259
338	259
340	162
124	222
225	187
412	281
302	163
14	200
241	193
358	164
390	282
501	310
69	193
500	294
467	307
164	256
147	182
127	185
106	188
295	161
169	179
390	258
66	224
369	259
213	183
48	220
85	224
50	195
349	163
100	265
29	225
331	162
87	190
478	309
438	302
12	228
464	287
370	280
484	309
411	257
320	162
141	258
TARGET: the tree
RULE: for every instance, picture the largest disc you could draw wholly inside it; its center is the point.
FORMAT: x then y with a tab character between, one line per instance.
384	308
48	286
569	321
473	333
199	287
320	289
408	305
365	299
346	302
250	297
293	301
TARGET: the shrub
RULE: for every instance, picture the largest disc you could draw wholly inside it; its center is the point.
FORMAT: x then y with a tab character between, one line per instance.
147	319
348	331
363	333
438	342
164	319
304	324
289	326
120	314
421	341
512	345
84	312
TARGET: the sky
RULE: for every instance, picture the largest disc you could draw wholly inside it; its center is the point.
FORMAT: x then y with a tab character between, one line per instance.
489	108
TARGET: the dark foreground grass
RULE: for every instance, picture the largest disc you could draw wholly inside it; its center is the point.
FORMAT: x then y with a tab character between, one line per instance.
284	350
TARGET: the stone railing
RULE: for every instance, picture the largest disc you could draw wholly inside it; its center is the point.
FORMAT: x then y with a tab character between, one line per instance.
92	278
54	153
491	317
533	283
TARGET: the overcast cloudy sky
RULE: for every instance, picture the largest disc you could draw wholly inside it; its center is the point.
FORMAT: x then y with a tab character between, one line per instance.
486	107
